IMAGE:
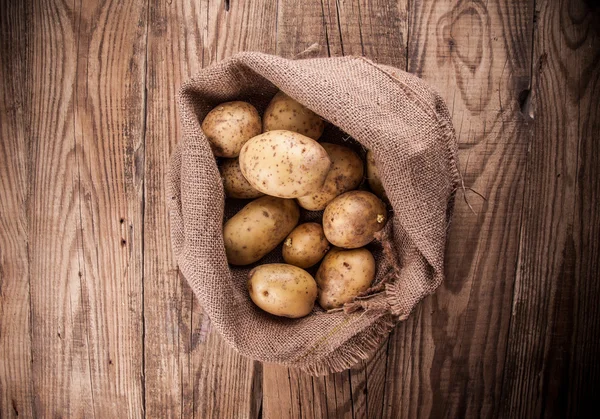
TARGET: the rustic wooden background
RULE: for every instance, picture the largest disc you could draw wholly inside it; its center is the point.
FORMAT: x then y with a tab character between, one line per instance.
95	320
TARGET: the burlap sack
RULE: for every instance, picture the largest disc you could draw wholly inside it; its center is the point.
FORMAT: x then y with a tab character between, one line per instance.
395	114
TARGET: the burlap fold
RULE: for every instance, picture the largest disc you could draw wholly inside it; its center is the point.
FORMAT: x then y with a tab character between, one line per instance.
408	127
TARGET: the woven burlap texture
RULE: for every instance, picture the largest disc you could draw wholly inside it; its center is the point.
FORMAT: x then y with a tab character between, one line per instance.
393	113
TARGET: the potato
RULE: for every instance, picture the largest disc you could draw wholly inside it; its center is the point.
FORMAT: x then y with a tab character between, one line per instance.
285	113
284	164
234	182
258	228
282	290
345	174
229	126
305	246
373	176
351	219
343	275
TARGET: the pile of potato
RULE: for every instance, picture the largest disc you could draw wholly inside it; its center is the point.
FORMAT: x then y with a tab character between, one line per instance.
279	164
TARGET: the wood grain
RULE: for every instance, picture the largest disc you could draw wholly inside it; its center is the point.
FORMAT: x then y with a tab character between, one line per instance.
82	105
243	26
62	380
551	369
448	357
16	391
301	25
174	338
108	118
377	29
85	117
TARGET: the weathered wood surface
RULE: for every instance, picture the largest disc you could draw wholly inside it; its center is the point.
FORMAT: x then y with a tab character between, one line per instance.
95	319
16	380
552	368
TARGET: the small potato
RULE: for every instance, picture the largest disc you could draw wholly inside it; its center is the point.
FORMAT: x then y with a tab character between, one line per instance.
305	246
284	164
258	228
234	182
351	219
343	275
229	126
282	290
373	176
285	113
345	174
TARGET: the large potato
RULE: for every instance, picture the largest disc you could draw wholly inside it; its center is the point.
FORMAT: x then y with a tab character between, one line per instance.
305	246
229	126
343	275
284	164
351	219
285	113
258	228
234	182
373	176
345	174
282	290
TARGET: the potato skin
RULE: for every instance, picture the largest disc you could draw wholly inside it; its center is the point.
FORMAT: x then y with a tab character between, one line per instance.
284	164
258	228
351	219
343	275
305	245
234	182
283	290
285	113
229	126
373	177
346	173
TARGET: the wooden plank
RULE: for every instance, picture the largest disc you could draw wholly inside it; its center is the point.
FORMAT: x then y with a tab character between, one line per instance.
447	359
376	29
358	389
61	367
310	402
277	394
228	384
109	95
16	393
241	26
85	209
174	339
408	366
300	25
289	393
339	395
375	372
109	148
189	370
552	368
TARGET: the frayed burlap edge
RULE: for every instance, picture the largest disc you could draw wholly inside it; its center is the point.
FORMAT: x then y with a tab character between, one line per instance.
362	346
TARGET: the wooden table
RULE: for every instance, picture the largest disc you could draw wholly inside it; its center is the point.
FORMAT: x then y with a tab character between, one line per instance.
95	320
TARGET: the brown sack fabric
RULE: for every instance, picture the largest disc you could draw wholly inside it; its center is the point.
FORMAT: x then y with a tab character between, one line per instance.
408	127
